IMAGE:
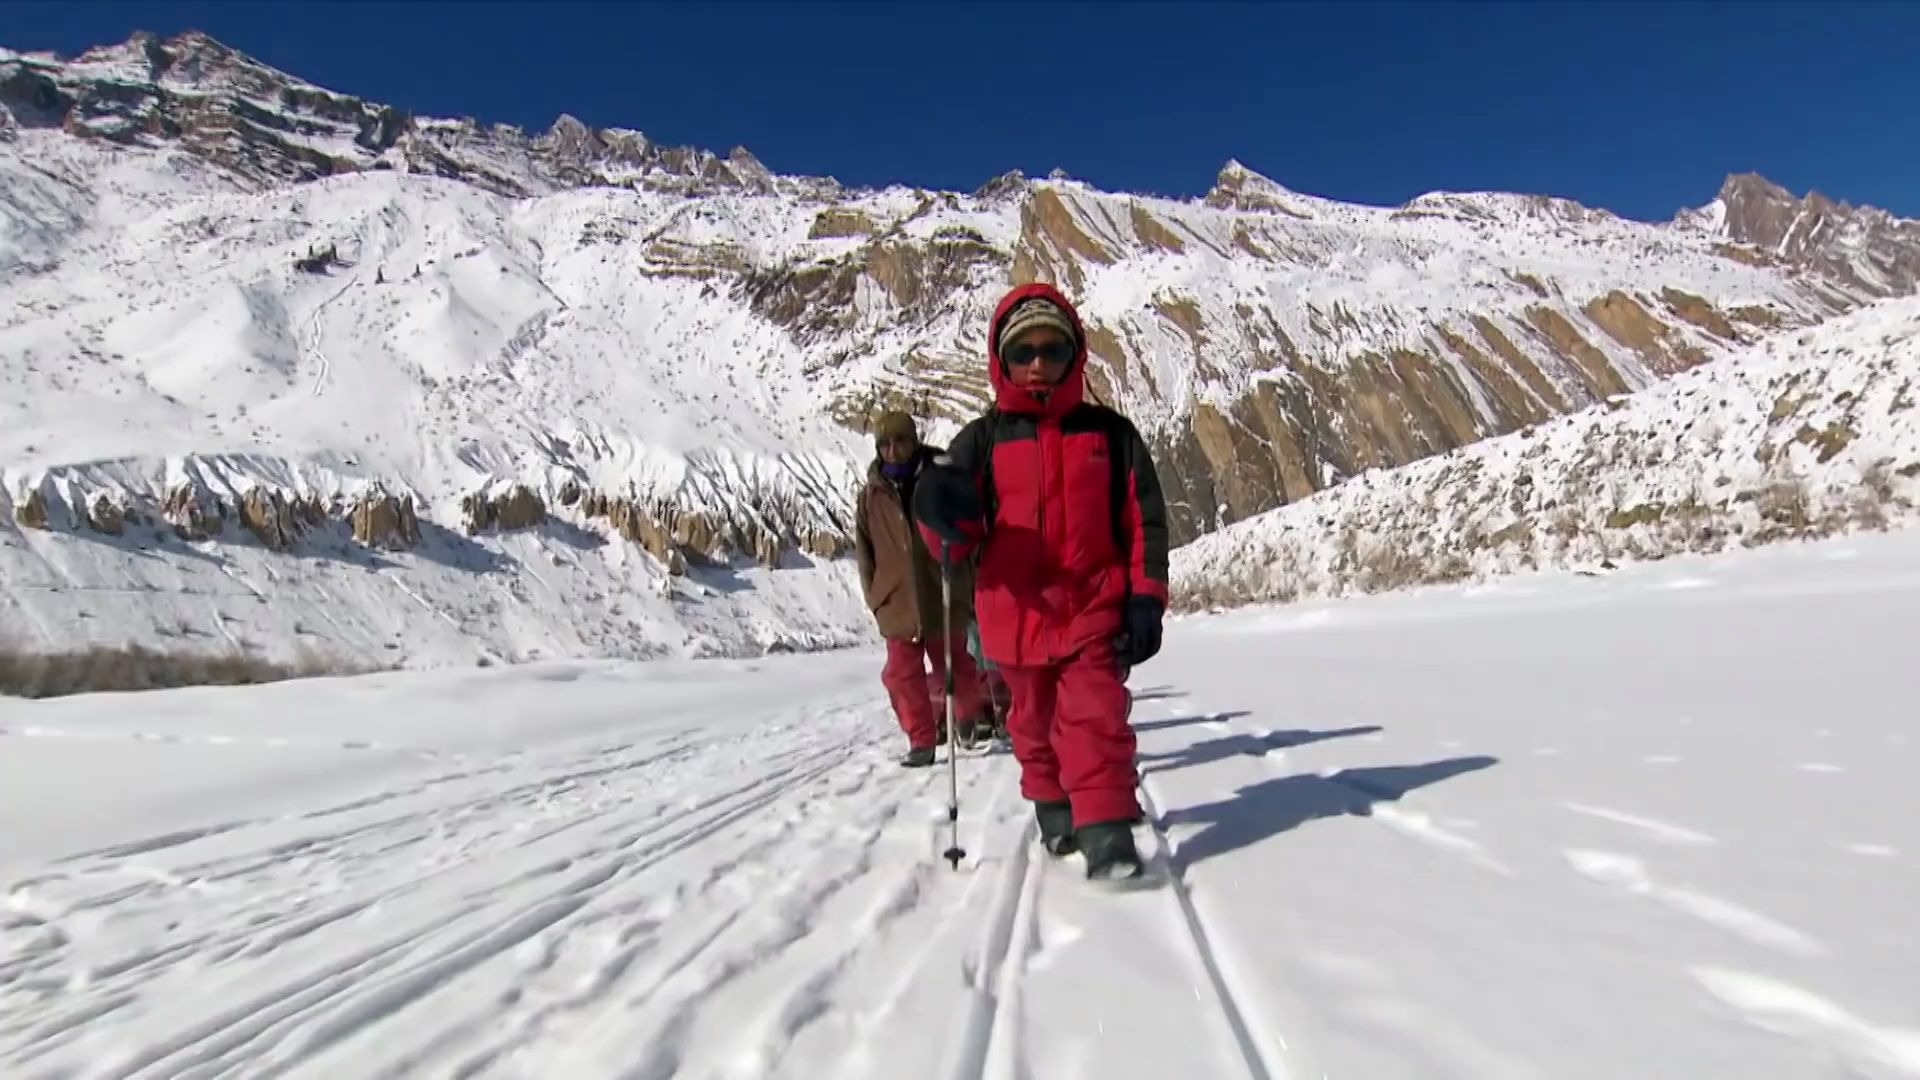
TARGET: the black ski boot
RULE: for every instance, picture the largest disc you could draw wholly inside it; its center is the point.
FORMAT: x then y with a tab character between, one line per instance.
1111	856
920	757
1056	827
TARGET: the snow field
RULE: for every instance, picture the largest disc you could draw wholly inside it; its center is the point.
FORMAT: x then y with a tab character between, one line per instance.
1658	823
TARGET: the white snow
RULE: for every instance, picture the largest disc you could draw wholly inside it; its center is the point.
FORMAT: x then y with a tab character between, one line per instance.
1555	826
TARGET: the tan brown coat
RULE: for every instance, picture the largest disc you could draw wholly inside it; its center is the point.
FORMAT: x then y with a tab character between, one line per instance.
900	577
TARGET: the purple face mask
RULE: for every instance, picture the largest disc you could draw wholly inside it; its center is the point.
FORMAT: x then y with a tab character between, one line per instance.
896	470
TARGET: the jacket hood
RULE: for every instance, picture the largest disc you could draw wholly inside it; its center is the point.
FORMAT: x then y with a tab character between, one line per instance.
1011	398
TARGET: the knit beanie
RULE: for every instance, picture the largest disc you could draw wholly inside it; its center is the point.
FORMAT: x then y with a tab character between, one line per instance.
896	425
1031	312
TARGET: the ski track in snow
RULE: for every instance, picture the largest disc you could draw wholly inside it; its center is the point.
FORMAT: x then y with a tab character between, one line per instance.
519	867
289	945
1247	1039
1355	877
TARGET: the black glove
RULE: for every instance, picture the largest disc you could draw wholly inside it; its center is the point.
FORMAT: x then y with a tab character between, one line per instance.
1142	638
946	500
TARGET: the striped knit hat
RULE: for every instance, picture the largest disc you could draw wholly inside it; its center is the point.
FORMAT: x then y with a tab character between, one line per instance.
1031	312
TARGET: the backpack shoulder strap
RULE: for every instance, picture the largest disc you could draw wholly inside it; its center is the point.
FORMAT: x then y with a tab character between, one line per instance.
1120	467
987	490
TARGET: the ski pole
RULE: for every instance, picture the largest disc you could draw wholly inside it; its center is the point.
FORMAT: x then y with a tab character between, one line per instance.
954	853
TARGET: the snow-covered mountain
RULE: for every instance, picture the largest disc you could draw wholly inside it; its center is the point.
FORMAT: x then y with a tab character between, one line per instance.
578	392
1804	435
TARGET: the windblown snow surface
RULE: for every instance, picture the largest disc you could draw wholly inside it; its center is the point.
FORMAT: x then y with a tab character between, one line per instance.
1659	823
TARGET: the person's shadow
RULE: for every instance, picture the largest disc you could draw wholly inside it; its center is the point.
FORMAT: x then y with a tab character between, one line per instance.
1212	750
1267	809
1188	721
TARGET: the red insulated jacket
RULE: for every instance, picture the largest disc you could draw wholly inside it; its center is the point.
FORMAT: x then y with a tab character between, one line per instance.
1076	523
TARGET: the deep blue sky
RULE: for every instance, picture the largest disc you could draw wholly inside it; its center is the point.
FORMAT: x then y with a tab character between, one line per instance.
1641	108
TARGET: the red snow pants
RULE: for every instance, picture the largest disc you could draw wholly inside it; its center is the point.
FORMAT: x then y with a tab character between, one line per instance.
1071	736
919	696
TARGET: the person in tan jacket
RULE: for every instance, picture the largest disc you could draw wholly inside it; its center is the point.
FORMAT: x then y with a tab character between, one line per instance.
901	580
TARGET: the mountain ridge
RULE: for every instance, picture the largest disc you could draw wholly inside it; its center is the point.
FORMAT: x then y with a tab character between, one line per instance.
207	58
226	311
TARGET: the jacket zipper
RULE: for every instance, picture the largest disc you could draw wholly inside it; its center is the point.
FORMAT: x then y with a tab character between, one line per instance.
1046	489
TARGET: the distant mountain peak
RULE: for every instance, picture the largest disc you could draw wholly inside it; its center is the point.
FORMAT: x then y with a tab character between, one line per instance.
1862	245
1238	187
1011	182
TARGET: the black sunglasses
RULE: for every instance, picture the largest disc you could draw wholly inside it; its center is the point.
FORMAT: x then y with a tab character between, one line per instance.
1053	352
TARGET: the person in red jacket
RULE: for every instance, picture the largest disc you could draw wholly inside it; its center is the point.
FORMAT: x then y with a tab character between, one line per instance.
1059	500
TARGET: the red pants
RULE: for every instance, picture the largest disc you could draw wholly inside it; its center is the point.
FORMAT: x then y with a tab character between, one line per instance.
919	695
1070	733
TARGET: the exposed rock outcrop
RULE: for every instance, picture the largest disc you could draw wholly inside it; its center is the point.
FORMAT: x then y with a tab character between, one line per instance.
268	515
104	515
1865	247
381	520
31	511
192	513
835	221
515	508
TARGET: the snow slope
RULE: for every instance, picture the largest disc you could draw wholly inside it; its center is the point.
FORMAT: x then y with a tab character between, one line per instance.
1805	434
1657	824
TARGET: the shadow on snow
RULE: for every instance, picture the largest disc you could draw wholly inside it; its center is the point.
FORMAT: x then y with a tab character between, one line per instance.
1211	750
1187	721
1267	809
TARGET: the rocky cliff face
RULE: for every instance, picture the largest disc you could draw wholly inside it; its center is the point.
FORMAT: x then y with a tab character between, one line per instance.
1273	343
587	329
1864	246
